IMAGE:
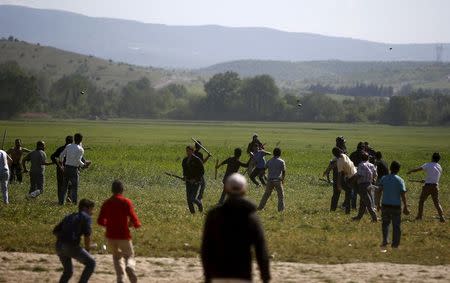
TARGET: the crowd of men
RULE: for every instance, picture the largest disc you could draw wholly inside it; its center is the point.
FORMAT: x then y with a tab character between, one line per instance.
232	228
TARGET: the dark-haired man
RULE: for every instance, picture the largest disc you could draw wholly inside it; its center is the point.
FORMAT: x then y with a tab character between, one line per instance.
117	214
346	176
433	172
197	153
73	157
37	158
193	172
366	173
16	157
233	165
393	189
59	170
68	233
276	174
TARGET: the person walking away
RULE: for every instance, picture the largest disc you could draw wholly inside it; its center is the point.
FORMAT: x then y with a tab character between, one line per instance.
193	172
73	156
392	189
59	169
260	167
366	173
204	160
37	158
346	178
229	233
68	234
276	174
117	214
16	154
4	176
433	171
233	165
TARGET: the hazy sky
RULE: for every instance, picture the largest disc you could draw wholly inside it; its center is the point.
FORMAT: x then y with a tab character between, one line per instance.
393	21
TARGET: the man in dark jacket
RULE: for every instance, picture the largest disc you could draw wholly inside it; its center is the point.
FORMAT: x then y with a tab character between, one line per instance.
193	172
229	233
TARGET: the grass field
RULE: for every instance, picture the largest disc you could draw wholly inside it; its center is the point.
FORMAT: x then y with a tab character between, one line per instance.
138	152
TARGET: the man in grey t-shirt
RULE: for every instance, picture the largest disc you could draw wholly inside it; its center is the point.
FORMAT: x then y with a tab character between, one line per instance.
277	172
37	158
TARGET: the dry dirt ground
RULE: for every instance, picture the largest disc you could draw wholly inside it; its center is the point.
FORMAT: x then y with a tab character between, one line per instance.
29	267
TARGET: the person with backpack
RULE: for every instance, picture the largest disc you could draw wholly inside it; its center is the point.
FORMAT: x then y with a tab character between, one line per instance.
68	237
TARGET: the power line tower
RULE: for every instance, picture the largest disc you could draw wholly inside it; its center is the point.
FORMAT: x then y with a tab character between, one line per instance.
439	53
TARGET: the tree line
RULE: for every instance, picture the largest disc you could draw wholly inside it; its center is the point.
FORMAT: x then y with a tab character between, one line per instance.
359	89
228	97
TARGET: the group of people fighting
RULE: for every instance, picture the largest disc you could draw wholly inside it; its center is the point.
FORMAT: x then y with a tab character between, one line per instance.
232	227
365	174
193	172
69	160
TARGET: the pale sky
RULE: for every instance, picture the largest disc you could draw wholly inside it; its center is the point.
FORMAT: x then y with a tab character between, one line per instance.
390	21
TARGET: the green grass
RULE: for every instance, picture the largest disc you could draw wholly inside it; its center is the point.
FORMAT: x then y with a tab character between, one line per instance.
139	151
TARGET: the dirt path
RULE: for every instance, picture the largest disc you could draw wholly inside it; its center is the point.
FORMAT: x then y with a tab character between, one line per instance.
26	267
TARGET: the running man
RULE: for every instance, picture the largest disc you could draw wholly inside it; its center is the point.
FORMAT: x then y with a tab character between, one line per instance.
37	158
276	174
233	165
260	167
252	148
16	157
193	172
68	233
433	172
117	214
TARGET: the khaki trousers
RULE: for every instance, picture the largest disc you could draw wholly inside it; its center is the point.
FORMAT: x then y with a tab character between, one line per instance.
278	186
123	249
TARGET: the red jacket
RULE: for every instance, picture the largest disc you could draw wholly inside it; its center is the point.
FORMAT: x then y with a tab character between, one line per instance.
115	214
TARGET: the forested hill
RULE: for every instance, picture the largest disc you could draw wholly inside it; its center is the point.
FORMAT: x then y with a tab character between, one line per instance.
192	46
420	74
55	63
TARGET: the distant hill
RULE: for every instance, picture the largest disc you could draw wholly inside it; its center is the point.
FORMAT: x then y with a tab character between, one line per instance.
192	46
427	74
56	63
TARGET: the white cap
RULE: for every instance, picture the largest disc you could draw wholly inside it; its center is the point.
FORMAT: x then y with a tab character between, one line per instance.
236	184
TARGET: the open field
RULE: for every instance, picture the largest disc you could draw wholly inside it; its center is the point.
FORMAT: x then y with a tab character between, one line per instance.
139	152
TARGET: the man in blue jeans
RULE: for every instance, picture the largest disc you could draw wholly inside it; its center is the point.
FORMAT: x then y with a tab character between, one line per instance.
394	192
193	172
73	157
68	233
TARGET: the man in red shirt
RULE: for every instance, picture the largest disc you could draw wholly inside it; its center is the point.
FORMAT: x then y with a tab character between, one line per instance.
117	214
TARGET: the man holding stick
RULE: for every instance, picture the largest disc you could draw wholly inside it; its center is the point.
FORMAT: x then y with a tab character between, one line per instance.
198	146
193	172
433	172
233	165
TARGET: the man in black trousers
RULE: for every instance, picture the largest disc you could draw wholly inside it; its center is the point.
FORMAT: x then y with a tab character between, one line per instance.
230	232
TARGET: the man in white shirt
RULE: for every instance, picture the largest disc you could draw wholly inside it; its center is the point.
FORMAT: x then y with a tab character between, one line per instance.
73	156
433	172
4	175
277	172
